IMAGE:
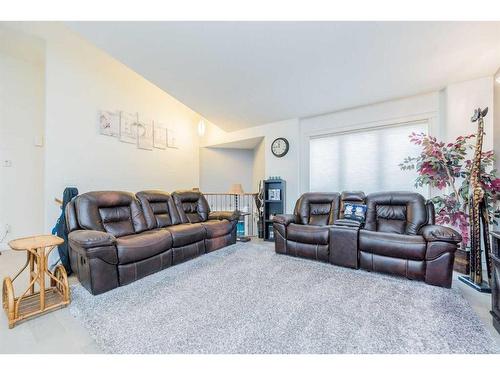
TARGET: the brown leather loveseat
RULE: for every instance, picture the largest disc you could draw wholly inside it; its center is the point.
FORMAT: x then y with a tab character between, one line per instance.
399	235
117	237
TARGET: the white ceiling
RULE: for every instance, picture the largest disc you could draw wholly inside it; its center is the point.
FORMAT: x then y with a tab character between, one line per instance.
241	74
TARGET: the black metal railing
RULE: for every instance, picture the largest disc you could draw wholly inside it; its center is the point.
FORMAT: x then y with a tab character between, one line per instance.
244	202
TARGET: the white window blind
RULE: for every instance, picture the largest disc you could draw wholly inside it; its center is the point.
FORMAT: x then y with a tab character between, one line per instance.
364	160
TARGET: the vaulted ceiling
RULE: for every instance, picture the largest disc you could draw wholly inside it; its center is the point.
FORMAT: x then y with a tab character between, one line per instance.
241	74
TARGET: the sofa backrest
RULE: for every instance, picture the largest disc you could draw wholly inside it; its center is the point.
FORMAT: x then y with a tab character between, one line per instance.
70	216
116	212
317	208
159	208
395	212
192	206
353	197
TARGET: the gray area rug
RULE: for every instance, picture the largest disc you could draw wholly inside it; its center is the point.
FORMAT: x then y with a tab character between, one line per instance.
247	299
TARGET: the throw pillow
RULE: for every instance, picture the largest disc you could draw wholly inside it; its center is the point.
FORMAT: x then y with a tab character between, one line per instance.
355	212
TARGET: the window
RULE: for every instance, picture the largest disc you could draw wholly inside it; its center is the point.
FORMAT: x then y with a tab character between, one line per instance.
364	160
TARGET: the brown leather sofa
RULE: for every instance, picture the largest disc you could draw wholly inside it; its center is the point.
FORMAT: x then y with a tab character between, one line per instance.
399	235
117	237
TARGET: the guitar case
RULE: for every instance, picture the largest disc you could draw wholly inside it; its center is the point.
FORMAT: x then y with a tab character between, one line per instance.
61	229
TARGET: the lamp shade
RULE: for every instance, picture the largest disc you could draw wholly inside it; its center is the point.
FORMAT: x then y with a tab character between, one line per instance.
236	189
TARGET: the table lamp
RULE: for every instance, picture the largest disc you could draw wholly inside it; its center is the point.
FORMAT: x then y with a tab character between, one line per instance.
236	190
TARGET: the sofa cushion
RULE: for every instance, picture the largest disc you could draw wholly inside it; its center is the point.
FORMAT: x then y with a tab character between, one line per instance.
140	246
392	245
217	228
186	234
310	234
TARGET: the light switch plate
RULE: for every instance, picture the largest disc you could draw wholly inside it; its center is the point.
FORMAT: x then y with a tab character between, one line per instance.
38	141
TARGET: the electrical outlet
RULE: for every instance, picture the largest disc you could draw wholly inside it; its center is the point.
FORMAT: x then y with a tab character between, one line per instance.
7	163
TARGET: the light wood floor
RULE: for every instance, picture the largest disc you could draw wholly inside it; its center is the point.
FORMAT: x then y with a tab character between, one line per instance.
59	332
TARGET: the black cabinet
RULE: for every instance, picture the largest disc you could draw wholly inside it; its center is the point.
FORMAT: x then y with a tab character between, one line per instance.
495	280
274	204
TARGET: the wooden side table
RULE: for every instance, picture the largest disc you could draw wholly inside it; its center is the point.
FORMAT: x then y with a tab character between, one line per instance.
32	303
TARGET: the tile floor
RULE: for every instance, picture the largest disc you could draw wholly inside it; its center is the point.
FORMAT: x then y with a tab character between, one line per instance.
59	332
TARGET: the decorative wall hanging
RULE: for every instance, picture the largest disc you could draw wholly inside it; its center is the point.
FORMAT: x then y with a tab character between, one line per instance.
136	129
172	138
128	127
160	136
109	123
145	135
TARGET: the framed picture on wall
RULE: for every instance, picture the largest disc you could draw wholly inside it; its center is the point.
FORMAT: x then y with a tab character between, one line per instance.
145	135
160	136
274	194
172	138
109	123
128	127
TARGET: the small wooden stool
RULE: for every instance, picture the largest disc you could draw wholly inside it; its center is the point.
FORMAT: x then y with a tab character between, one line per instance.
32	303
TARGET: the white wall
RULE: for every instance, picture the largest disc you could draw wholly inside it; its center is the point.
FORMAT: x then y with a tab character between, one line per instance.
21	122
259	165
287	167
81	80
447	111
460	101
220	168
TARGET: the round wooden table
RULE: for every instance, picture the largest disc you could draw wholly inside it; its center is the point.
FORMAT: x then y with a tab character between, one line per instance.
35	302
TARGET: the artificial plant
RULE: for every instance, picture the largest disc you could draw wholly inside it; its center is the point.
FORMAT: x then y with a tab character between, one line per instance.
446	167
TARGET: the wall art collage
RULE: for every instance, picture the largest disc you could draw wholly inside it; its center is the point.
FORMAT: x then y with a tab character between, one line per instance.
141	131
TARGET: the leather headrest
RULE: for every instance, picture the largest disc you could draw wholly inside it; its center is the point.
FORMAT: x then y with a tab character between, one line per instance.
191	205
159	208
396	211
98	210
353	196
324	206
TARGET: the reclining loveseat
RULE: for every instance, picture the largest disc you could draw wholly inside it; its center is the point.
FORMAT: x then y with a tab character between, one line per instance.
398	235
117	237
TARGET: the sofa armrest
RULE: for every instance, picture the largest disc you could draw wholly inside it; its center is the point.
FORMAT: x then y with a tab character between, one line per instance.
221	215
285	219
432	233
94	244
347	223
91	238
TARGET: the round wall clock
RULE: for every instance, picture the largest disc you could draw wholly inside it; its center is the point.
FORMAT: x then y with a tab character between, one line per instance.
280	147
